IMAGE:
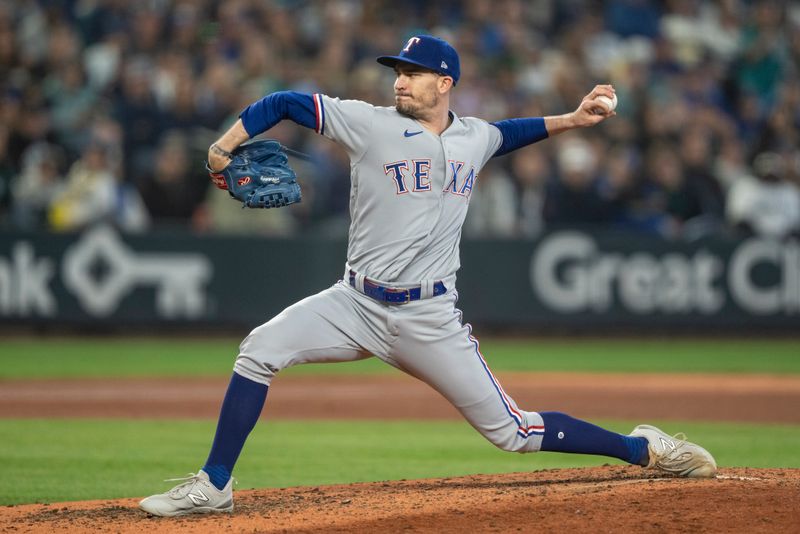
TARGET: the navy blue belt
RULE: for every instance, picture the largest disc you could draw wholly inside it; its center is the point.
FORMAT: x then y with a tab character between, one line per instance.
395	296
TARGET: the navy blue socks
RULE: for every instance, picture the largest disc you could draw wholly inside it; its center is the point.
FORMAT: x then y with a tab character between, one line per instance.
567	434
241	408
245	399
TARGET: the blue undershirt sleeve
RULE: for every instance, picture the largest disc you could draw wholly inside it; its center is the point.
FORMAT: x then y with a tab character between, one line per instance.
262	115
518	133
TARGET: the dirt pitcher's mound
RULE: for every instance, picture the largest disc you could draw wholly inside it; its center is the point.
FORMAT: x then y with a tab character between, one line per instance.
606	499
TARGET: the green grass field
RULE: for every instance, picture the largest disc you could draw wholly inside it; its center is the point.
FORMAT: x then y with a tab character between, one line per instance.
59	460
54	358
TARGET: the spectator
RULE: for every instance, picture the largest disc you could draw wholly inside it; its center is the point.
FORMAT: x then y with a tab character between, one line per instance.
71	102
768	204
531	169
574	198
697	156
697	71
171	191
672	204
136	110
39	184
731	163
618	185
760	64
93	193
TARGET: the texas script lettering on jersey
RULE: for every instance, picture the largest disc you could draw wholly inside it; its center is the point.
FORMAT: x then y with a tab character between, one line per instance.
460	183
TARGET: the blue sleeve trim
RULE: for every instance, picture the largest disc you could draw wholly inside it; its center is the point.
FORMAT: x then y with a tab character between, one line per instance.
518	133
262	115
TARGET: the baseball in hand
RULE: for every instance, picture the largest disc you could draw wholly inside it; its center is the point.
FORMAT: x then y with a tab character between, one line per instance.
609	103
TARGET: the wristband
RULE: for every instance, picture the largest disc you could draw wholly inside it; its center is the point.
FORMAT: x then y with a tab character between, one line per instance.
218	150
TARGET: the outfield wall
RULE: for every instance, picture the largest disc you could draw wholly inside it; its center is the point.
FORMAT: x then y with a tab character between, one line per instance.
570	279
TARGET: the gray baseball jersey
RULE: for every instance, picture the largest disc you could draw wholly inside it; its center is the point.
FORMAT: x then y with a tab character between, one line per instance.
410	188
409	197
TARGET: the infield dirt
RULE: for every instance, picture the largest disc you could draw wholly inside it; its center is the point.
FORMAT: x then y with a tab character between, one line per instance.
605	499
705	397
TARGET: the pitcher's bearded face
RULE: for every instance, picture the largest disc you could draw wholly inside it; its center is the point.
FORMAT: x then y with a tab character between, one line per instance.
415	90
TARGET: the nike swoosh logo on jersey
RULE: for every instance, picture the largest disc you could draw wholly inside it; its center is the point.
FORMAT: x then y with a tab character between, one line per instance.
411	134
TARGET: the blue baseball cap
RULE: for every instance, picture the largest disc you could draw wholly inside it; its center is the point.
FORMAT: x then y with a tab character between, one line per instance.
430	52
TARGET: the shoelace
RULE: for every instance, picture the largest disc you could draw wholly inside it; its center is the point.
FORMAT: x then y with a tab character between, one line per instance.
190	479
189	476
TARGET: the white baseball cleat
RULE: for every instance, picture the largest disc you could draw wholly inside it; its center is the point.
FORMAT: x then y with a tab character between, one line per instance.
197	495
675	455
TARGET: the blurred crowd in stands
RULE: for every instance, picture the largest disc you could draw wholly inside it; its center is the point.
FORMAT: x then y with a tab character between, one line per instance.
108	107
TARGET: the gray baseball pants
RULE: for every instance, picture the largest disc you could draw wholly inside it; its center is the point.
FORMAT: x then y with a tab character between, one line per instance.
424	338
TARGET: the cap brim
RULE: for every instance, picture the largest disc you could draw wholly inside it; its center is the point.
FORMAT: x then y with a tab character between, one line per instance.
391	61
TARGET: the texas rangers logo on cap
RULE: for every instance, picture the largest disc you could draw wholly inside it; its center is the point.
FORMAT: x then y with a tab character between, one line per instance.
430	52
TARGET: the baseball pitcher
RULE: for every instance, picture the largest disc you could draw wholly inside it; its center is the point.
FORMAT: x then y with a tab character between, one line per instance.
414	167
